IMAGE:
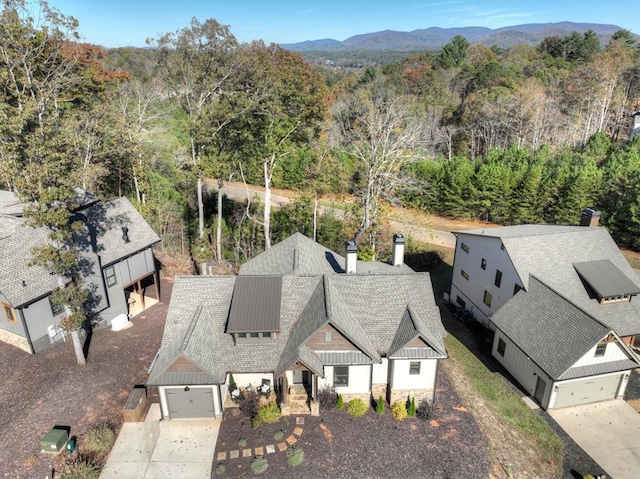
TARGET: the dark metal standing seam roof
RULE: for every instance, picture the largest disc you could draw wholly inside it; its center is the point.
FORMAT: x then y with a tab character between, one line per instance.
255	305
605	278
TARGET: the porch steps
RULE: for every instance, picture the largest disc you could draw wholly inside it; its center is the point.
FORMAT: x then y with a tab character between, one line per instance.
298	400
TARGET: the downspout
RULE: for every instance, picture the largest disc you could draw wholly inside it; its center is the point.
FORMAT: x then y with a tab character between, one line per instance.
26	330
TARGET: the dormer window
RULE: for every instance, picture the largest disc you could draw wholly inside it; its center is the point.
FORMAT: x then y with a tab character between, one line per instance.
606	282
254	338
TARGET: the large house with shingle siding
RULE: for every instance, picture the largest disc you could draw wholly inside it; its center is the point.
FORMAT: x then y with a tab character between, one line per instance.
118	265
295	319
563	303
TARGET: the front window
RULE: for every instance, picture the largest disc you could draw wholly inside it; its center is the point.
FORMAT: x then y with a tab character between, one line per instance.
488	297
601	349
9	313
414	367
502	346
56	308
110	275
341	376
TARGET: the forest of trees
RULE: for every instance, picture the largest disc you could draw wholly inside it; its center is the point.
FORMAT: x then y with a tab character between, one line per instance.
526	135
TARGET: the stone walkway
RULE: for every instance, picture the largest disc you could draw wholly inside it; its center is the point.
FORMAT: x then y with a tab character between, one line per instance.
261	450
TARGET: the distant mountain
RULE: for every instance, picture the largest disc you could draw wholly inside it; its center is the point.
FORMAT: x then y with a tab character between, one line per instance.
434	37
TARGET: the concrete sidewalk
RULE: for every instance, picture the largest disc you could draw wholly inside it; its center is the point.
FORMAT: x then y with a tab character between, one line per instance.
608	431
157	449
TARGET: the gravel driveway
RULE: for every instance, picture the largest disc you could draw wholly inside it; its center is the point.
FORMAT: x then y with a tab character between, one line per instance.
47	389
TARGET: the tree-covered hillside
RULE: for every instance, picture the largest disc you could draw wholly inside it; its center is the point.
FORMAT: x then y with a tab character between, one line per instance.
528	134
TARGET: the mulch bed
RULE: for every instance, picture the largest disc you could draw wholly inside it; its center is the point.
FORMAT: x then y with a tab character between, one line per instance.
337	445
47	389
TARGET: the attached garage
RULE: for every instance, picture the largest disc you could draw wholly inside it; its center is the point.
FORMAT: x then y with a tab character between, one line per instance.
589	390
189	403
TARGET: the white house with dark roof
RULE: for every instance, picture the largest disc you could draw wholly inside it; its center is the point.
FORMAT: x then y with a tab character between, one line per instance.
563	303
294	319
118	265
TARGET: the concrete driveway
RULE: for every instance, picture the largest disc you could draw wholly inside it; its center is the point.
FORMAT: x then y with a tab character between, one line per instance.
157	449
608	431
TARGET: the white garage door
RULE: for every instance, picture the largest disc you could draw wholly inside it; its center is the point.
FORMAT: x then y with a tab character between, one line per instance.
587	390
190	403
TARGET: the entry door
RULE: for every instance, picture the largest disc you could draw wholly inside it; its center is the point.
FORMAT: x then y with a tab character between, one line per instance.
541	386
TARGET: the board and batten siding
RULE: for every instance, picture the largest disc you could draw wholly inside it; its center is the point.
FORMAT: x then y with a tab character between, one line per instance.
614	352
472	290
380	374
16	327
401	379
136	266
521	366
359	380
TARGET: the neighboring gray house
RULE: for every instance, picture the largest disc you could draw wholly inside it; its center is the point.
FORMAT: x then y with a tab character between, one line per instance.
294	319
118	266
562	301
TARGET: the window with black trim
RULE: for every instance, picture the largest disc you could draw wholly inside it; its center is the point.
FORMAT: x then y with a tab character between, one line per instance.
414	367
9	313
56	308
464	247
488	297
483	263
461	301
464	274
110	275
498	280
341	375
601	349
502	347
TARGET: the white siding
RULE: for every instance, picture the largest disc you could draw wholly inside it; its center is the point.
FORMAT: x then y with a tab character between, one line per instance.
255	379
520	365
359	380
401	379
614	352
472	289
380	372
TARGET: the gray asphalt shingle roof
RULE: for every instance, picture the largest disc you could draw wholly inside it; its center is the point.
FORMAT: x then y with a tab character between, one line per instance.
545	339
22	284
367	309
549	252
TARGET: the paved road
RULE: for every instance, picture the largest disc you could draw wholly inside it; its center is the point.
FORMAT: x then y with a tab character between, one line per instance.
418	233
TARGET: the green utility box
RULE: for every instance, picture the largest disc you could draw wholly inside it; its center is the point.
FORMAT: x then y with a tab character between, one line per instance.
54	441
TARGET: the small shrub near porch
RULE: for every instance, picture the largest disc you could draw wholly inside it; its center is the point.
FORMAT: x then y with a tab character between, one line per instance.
269	413
357	407
327	397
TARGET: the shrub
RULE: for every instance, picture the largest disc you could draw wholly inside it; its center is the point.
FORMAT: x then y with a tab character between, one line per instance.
327	397
278	435
380	406
423	411
295	456
340	402
268	413
79	469
357	407
100	439
250	403
259	465
242	442
411	409
220	469
399	410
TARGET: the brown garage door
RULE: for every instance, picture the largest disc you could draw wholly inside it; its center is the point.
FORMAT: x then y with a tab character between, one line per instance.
585	391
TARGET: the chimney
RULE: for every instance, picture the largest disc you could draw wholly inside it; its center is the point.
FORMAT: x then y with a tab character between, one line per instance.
590	217
352	257
397	258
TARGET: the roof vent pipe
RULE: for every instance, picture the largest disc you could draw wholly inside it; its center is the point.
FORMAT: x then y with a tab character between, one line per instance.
352	257
590	217
397	258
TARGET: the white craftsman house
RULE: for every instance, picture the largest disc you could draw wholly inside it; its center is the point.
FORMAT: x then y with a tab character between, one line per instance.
118	266
562	301
295	319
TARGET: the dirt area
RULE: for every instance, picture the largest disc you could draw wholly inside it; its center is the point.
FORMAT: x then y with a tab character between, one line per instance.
448	445
48	389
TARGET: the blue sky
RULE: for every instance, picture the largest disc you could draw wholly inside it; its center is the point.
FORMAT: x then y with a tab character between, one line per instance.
115	23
